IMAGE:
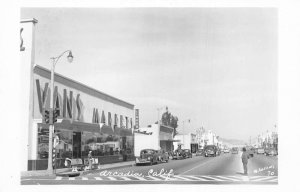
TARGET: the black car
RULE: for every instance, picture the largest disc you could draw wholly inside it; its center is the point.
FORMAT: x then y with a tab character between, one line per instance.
178	154
187	153
210	150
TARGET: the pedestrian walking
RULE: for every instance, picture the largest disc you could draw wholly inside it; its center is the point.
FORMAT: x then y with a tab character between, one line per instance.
245	157
90	157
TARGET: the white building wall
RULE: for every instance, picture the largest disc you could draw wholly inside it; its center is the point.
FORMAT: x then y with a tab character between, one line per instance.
27	58
185	141
142	141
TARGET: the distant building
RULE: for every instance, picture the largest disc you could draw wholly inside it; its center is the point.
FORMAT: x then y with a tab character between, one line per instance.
186	141
153	137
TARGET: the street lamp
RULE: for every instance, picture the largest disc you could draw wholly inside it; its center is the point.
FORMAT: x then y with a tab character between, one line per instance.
51	125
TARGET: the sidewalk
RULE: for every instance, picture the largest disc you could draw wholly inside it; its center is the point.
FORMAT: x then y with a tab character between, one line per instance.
102	167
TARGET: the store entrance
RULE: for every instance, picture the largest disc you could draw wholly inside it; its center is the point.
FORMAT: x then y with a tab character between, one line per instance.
76	144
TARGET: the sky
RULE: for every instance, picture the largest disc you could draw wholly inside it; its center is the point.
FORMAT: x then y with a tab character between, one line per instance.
216	67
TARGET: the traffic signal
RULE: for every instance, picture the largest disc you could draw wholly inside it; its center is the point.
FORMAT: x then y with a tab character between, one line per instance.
46	118
55	115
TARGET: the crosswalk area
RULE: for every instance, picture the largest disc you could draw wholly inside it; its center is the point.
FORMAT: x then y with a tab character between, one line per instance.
203	178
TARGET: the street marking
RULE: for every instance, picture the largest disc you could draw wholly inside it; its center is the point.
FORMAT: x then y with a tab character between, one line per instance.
227	178
214	179
197	166
183	178
140	178
274	180
262	178
168	178
125	178
154	178
245	178
198	178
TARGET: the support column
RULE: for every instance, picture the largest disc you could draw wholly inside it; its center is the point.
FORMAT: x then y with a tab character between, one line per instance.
27	59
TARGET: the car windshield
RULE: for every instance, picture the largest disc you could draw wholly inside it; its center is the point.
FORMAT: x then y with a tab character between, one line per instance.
186	150
147	152
210	147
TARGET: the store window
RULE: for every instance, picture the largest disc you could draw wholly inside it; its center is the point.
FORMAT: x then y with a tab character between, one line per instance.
64	148
43	143
100	144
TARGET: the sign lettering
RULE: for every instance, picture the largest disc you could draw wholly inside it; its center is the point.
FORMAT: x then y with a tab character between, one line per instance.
67	104
21	43
41	97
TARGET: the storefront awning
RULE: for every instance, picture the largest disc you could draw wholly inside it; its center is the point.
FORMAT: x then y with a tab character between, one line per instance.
171	140
73	126
89	127
123	132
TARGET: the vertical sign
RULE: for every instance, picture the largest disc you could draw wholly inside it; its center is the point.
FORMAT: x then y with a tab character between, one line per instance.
137	119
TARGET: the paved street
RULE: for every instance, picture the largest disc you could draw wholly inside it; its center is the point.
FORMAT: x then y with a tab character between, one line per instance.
223	169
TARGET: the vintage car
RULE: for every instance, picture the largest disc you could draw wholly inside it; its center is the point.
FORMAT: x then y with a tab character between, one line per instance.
270	152
147	156
260	151
162	155
187	153
210	150
199	152
226	150
178	154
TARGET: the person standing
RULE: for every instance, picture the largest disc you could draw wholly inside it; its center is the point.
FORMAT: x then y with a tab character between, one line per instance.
245	157
90	157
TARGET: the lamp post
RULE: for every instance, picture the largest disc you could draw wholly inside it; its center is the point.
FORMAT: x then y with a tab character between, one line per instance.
51	124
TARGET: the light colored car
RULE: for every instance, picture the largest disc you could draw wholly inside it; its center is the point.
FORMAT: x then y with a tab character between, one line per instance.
260	151
270	152
226	150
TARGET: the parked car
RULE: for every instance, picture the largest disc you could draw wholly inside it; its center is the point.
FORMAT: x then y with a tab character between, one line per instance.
234	150
210	150
178	154
199	152
260	151
162	155
187	153
147	156
271	152
226	150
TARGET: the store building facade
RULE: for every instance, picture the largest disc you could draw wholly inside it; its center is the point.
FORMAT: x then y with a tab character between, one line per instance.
88	120
186	141
155	136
